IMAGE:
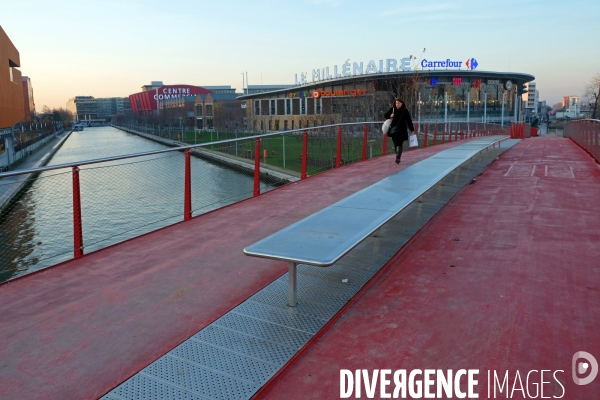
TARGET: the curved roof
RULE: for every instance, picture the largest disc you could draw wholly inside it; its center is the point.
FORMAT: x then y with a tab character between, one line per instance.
516	77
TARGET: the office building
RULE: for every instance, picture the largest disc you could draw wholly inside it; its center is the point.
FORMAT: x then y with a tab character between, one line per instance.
85	108
28	103
531	98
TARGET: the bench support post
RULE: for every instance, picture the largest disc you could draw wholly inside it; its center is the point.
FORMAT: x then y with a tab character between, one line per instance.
292	301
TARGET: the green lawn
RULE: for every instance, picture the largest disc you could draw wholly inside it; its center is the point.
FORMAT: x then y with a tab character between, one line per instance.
284	151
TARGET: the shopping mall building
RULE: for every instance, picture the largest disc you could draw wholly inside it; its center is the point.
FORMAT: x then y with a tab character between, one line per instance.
434	90
201	107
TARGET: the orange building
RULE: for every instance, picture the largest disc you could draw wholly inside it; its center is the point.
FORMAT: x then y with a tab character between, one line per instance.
11	85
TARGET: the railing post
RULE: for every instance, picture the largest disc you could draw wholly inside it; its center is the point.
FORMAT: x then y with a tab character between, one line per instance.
597	152
456	133
435	134
384	150
338	154
522	130
364	146
416	133
77	227
257	167
304	155
425	135
444	134
187	189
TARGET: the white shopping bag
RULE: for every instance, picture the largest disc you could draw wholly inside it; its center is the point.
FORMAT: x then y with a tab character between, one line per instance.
386	126
413	142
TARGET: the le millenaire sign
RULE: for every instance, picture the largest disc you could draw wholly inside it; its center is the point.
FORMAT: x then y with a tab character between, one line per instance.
354	68
371	67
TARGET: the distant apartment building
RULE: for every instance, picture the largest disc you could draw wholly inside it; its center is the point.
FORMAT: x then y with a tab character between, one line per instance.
11	89
28	102
90	108
571	108
531	98
542	107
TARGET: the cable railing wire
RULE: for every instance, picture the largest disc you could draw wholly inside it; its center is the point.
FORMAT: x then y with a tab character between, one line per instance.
70	209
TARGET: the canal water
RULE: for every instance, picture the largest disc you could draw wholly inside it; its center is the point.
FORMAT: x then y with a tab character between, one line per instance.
120	199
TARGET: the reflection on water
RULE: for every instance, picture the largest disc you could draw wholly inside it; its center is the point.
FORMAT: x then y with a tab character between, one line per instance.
120	199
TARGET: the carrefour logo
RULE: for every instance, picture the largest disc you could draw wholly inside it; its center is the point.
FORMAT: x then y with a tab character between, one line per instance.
471	63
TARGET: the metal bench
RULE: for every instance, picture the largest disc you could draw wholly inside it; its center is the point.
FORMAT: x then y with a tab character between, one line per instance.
324	237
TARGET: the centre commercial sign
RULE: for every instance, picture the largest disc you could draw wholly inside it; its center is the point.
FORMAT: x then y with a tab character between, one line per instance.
391	65
177	91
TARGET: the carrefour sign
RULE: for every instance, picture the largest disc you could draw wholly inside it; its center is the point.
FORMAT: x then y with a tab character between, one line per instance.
354	68
471	64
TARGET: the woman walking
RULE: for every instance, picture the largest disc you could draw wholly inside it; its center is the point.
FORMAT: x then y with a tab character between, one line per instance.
401	123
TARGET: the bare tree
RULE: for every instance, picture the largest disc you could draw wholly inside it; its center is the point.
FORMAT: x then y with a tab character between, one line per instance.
591	94
229	116
406	87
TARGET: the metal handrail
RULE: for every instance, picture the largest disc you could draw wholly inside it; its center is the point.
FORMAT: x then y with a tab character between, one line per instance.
473	129
582	120
586	134
180	148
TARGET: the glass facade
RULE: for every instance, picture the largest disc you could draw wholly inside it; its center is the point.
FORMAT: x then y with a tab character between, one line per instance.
464	102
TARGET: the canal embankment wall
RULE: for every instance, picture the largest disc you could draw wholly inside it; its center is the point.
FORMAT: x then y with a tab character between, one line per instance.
11	186
269	174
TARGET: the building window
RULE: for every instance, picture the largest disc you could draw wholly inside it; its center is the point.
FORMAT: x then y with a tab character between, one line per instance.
292	124
276	124
273	107
300	124
199	123
285	125
318	106
288	106
303	106
256	107
198	110
209	110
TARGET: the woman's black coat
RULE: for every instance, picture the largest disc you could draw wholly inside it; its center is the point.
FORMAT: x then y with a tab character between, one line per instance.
402	120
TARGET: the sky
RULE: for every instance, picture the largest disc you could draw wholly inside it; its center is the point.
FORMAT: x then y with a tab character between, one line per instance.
110	48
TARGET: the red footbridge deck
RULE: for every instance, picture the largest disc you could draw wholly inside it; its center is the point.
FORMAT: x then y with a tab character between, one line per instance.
500	290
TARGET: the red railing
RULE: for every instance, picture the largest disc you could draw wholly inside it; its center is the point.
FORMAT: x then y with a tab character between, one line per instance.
308	151
585	133
521	130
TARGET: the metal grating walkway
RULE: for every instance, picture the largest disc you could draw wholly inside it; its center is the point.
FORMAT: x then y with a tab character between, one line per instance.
237	354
